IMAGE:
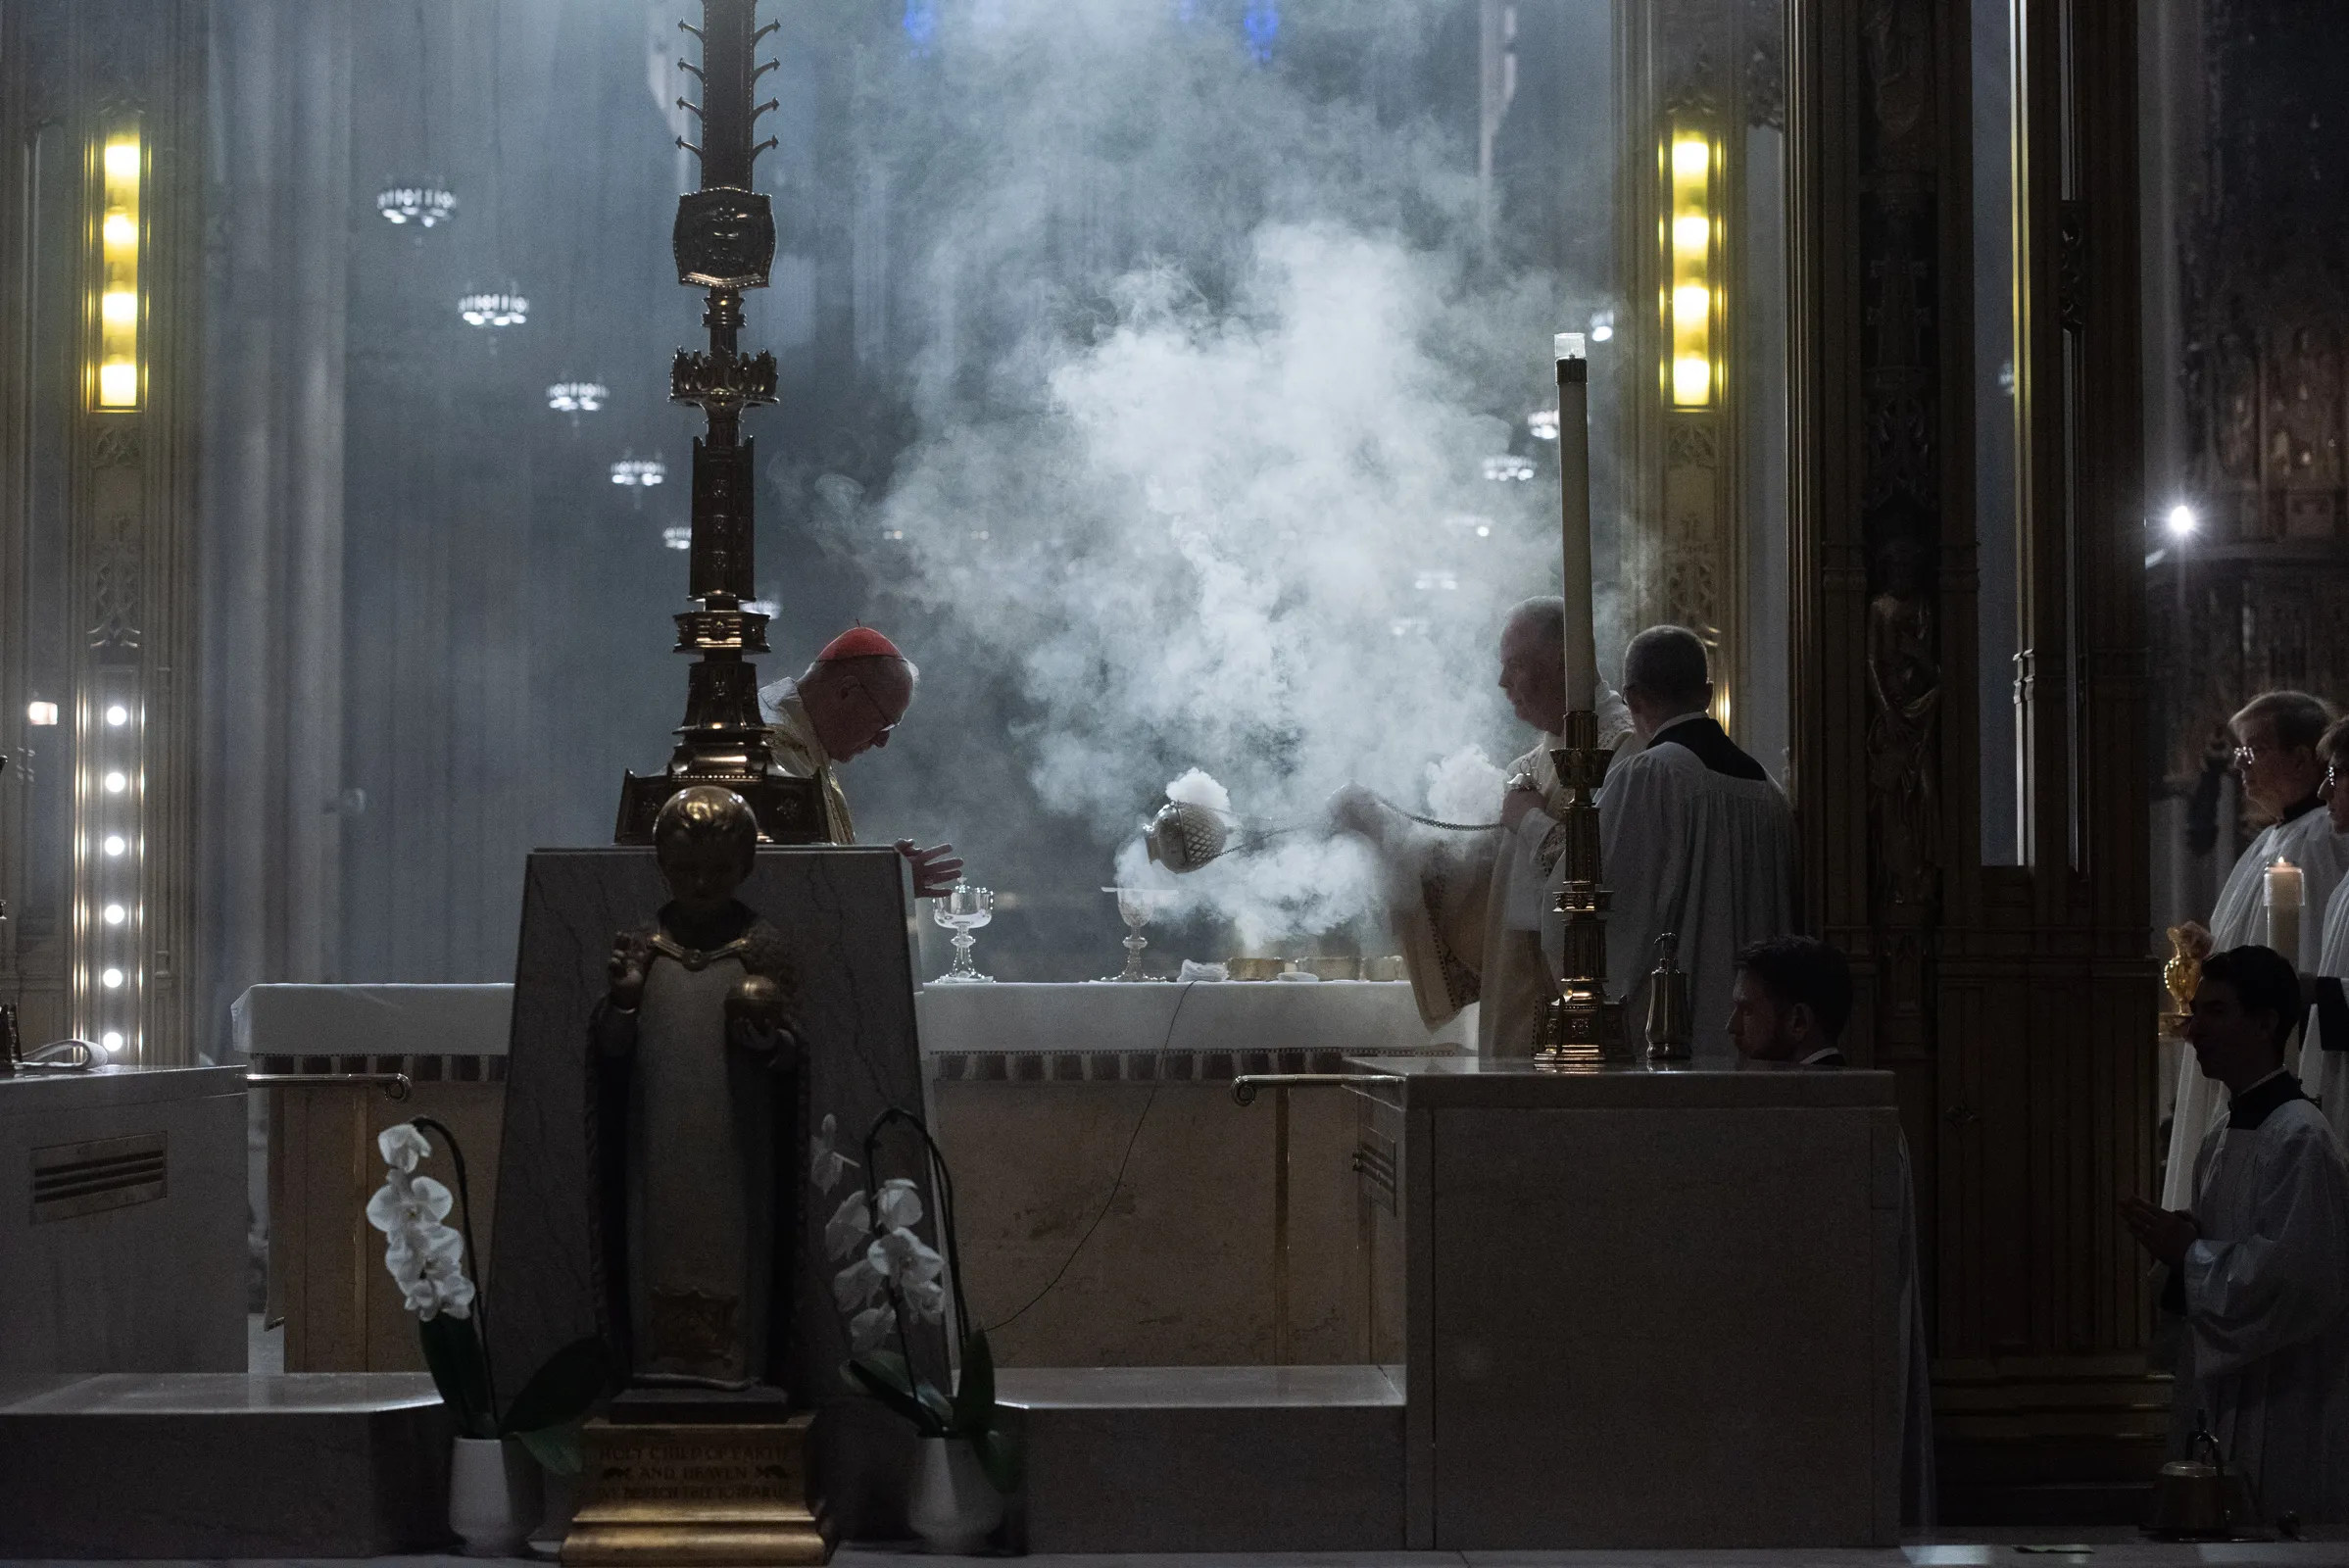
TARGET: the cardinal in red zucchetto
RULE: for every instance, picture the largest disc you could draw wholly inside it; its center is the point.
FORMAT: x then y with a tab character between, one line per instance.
848	701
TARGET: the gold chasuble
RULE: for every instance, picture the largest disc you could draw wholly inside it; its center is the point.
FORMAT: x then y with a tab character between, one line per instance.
802	756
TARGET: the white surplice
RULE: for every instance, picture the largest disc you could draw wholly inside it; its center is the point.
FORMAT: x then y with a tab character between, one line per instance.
1472	913
1704	855
2323	1062
2266	1356
2309	842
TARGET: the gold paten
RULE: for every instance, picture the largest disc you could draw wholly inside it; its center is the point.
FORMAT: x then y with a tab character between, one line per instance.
1583	1026
694	1495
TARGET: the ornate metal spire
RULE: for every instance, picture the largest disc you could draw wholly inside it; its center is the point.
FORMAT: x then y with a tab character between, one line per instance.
724	242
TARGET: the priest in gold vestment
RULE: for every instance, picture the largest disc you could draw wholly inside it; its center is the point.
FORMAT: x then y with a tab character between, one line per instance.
1468	907
849	701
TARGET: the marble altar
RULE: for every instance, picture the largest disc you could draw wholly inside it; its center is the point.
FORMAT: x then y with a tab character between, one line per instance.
1117	1207
124	1249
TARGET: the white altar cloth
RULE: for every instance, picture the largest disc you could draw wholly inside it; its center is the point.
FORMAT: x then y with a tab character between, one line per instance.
1018	1030
383	1020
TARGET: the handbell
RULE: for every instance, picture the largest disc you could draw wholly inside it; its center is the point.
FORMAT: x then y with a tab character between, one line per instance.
1671	1022
1185	836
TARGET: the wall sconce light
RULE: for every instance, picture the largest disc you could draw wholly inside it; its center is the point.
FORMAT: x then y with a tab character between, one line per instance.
116	374
1690	297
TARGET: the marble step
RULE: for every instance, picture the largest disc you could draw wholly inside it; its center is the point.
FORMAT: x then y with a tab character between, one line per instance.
219	1465
1208	1458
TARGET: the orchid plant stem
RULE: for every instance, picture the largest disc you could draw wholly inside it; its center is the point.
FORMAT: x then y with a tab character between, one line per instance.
945	1196
464	1200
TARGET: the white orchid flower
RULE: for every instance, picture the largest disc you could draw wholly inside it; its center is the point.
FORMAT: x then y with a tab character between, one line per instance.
900	1202
457	1298
402	1146
825	1165
857	1285
925	1299
901	1258
405	1203
850	1226
869	1330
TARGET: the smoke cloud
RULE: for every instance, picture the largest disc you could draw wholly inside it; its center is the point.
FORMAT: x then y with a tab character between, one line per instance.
1213	369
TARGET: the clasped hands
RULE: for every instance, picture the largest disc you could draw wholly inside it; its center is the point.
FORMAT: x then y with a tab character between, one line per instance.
2165	1233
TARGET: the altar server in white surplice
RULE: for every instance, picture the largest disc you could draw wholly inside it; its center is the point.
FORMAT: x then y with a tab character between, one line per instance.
1792	998
1696	840
2259	1266
1470	910
2276	756
2325	1047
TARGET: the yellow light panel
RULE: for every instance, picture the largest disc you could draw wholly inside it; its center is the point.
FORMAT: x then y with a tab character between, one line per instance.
1691	381
123	170
1690	298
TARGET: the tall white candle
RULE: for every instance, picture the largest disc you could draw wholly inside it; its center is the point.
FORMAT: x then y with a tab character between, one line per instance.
1573	519
2282	893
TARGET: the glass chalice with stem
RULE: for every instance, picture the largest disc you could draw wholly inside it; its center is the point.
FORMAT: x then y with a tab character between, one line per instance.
962	911
1136	906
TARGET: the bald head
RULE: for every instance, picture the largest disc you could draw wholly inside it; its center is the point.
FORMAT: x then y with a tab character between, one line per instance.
1533	662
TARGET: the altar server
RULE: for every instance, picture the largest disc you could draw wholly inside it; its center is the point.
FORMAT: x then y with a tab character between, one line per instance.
2276	757
2259	1265
1791	999
1470	910
1696	840
2324	1050
849	701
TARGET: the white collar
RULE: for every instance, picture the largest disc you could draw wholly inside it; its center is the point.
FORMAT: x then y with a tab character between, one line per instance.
1823	1051
1676	722
2263	1079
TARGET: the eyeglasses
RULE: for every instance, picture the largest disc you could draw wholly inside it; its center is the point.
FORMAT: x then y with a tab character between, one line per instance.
887	725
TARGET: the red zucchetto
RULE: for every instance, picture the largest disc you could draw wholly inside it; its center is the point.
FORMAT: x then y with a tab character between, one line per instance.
859	642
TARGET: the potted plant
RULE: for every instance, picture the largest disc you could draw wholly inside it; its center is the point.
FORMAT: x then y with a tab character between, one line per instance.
890	1279
493	1470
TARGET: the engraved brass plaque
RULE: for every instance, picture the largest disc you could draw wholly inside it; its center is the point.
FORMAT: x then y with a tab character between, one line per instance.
694	1494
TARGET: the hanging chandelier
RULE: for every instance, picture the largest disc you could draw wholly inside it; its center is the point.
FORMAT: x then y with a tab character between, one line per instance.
677	536
494	309
426	206
1508	469
641	472
1542	424
577	397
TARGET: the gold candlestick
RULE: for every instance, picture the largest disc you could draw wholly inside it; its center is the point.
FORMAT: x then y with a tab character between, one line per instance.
1583	1025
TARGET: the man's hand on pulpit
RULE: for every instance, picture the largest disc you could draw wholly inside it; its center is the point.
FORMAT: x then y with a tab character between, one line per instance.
936	870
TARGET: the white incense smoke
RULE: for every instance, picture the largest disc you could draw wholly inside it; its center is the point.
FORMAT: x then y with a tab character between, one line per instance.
1201	475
